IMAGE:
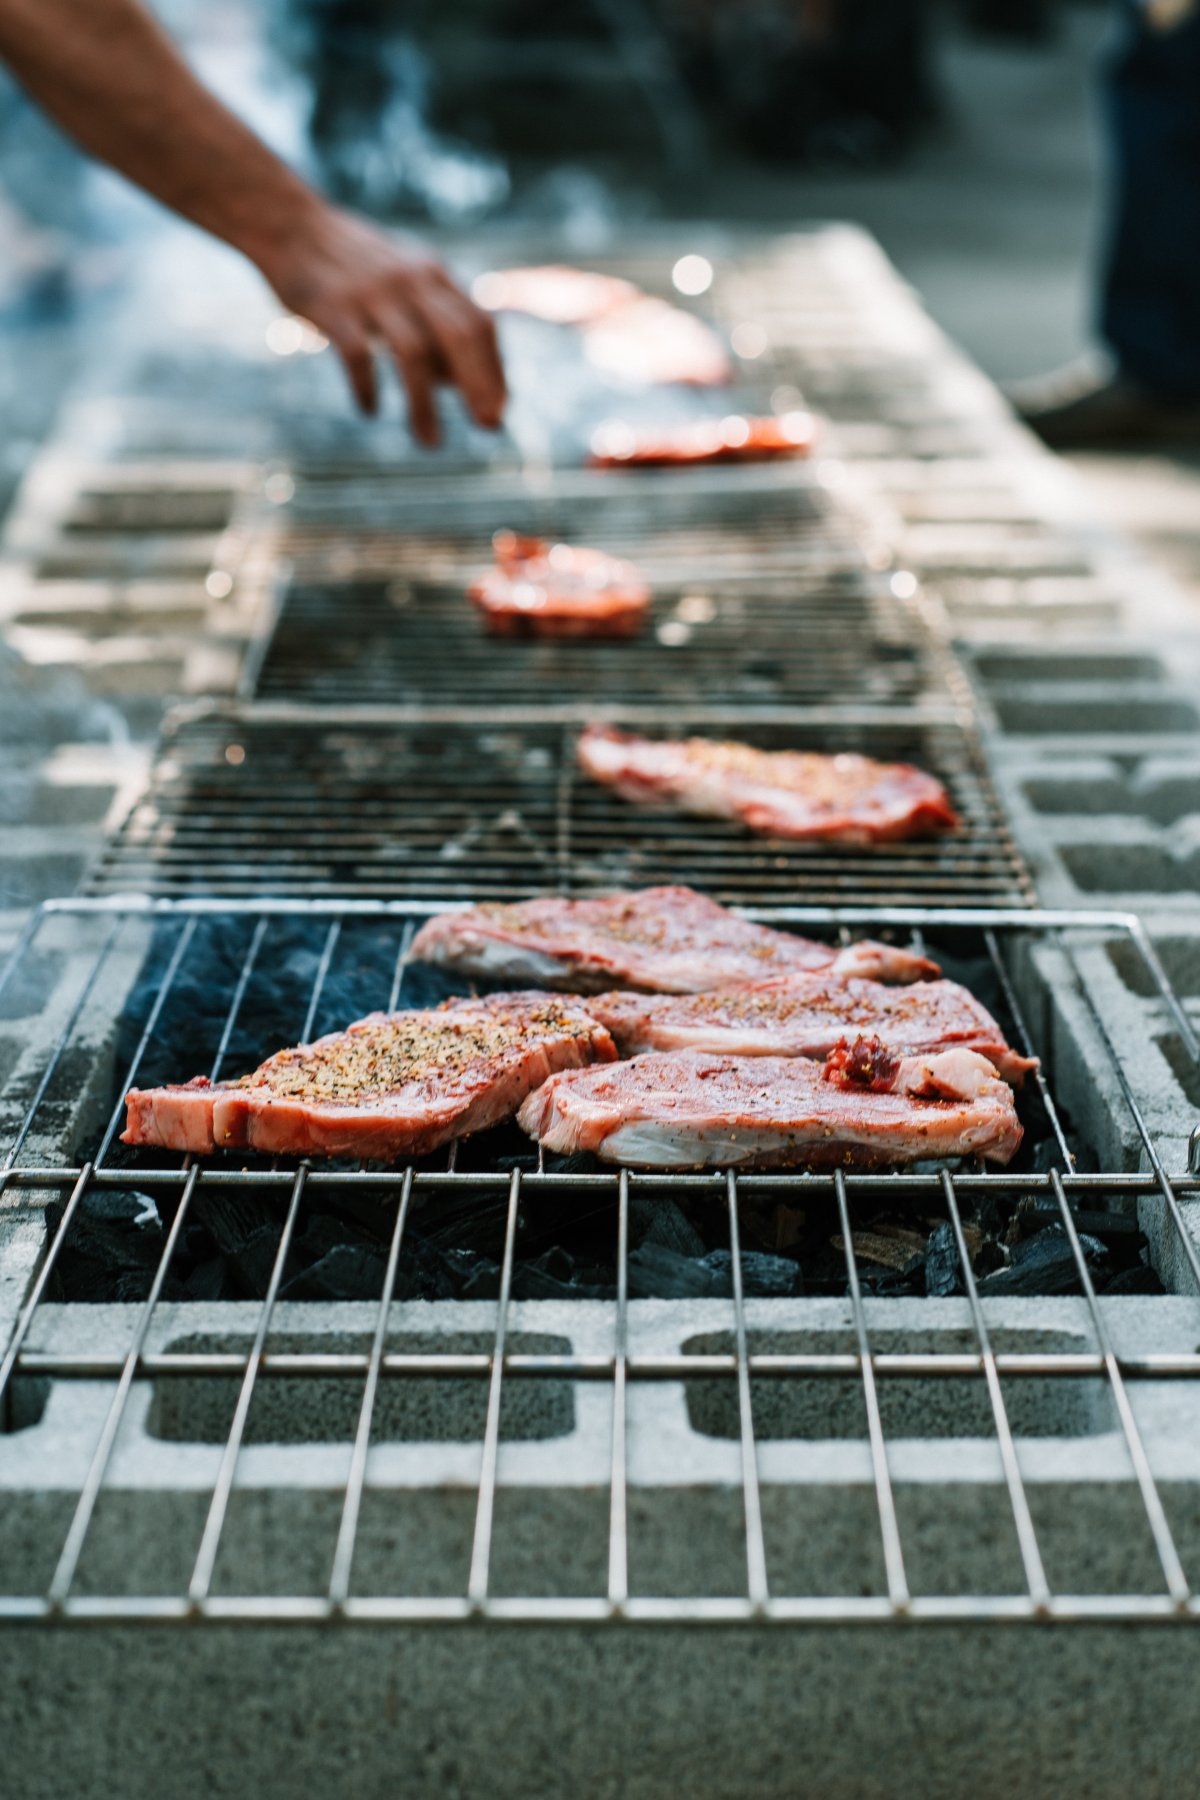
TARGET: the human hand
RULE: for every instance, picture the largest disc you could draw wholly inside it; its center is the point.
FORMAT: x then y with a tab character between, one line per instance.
364	290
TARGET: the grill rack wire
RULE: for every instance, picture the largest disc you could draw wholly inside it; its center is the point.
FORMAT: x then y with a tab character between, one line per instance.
378	804
758	1605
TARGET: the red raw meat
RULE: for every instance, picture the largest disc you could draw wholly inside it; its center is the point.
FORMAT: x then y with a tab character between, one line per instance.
691	1109
844	799
807	1015
665	939
390	1085
733	439
553	292
649	342
559	591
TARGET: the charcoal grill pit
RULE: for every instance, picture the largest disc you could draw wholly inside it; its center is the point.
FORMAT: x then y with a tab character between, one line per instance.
122	999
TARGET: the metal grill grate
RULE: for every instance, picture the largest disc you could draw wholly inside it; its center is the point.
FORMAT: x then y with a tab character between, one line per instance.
277	800
65	1108
412	642
684	524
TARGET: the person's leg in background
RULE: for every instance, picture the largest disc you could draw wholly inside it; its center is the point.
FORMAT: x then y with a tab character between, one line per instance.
1150	297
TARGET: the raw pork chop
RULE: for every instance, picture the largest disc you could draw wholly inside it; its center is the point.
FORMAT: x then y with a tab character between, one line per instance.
805	1015
692	1109
665	939
554	292
390	1085
626	332
843	799
735	439
559	590
648	342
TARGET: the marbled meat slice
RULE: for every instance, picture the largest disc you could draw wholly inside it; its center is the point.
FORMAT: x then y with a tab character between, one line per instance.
692	1109
554	292
806	1015
663	939
538	589
390	1085
616	444
844	799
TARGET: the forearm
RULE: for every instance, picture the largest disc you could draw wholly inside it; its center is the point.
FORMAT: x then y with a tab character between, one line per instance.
114	81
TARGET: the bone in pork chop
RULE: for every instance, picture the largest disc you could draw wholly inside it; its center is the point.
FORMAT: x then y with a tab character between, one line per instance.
843	799
663	939
691	1109
547	590
806	1015
733	439
390	1085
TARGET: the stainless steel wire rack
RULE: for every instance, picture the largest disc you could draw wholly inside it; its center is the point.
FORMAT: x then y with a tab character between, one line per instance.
278	798
82	966
683	525
762	645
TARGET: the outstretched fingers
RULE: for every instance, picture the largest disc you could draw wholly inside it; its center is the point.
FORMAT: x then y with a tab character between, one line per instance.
465	338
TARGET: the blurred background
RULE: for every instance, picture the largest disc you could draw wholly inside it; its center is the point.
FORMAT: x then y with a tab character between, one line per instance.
963	133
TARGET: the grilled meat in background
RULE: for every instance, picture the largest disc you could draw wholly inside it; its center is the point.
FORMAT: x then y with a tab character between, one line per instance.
842	799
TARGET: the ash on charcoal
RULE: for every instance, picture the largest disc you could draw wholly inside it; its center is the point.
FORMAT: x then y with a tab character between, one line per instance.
111	1250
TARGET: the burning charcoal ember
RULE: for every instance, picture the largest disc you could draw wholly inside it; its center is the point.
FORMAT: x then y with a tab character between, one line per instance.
1045	1264
111	1250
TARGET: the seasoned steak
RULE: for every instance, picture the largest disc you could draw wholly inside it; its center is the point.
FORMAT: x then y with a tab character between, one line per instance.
842	799
546	590
664	939
390	1085
692	1109
733	439
805	1015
